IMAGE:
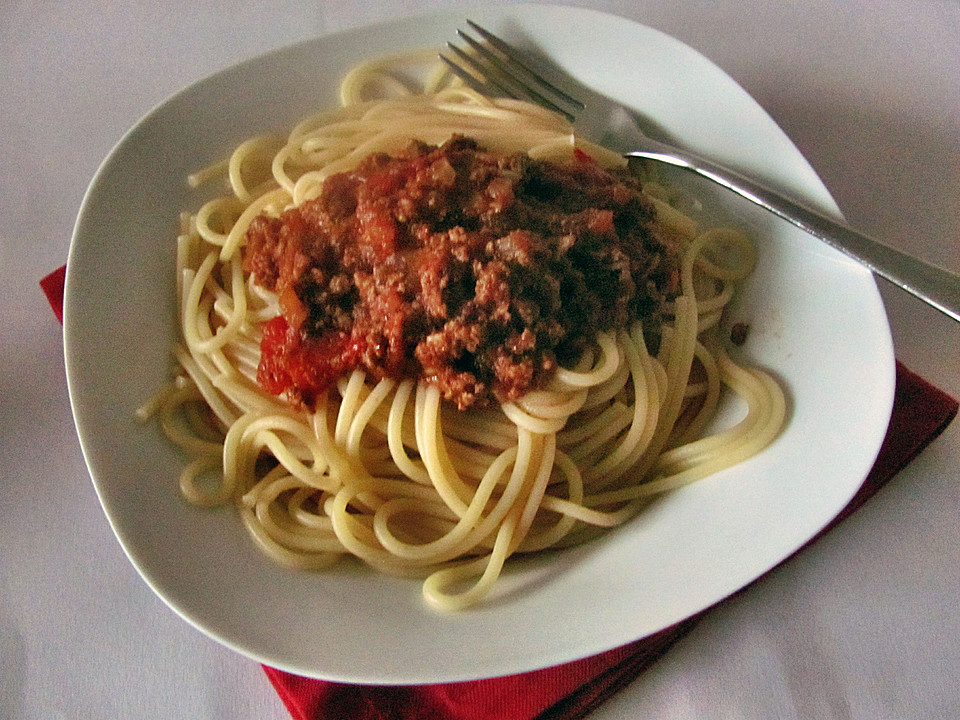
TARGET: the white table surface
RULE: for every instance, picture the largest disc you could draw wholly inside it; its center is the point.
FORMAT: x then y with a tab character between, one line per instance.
866	624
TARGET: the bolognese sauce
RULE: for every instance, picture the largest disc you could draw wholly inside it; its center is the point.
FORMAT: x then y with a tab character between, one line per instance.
476	271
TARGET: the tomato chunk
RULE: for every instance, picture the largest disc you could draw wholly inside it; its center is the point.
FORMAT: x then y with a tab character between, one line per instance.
300	369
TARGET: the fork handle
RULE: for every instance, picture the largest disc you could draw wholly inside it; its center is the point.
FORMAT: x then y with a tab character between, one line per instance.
933	284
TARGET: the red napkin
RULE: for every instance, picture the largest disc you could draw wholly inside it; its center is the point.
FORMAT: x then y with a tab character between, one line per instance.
566	692
52	286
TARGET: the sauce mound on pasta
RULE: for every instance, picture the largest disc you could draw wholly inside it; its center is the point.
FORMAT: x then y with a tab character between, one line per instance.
476	271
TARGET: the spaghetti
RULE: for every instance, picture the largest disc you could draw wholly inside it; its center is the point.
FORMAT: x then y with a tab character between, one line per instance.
383	468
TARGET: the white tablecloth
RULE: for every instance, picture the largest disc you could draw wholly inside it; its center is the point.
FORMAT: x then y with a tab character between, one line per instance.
864	625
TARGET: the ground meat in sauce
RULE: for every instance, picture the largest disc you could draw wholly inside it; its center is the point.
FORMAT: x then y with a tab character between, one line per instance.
476	271
738	333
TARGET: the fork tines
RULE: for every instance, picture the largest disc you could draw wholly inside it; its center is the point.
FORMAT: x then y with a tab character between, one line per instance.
491	67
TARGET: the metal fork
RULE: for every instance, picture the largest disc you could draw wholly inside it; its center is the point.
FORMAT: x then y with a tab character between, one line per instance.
493	68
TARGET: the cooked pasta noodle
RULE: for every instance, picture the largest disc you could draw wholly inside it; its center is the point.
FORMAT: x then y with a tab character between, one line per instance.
384	470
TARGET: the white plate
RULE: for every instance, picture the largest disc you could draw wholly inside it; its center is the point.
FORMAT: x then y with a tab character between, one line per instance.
817	322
